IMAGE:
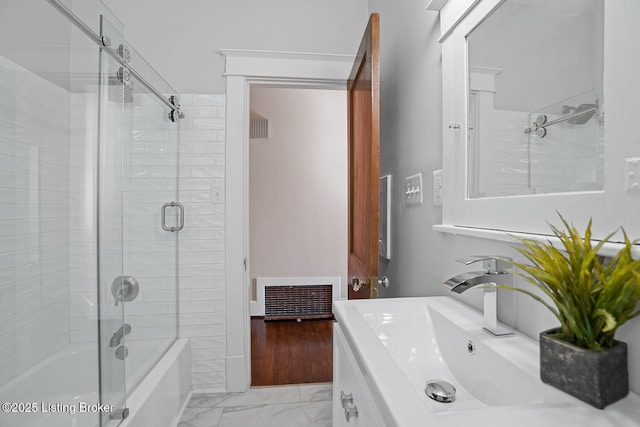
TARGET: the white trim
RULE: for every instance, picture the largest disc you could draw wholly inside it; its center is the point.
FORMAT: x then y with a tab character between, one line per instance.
244	67
248	54
483	78
608	249
237	360
436	5
257	309
288	66
452	14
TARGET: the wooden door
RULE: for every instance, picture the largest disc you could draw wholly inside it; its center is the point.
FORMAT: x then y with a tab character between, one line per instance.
363	115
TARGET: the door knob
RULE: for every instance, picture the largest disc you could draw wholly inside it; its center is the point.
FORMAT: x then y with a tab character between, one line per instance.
357	283
384	282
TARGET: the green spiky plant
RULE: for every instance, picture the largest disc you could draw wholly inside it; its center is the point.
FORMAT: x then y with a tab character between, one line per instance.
592	297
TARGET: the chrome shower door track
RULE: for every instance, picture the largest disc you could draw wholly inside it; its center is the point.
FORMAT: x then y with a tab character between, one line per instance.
104	44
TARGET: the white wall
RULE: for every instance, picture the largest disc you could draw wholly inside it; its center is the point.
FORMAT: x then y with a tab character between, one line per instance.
181	39
298	184
201	242
411	143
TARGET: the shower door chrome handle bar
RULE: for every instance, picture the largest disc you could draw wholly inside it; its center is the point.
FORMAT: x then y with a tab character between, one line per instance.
180	217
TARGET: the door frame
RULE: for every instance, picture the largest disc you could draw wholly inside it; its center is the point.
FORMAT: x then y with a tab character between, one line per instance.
244	68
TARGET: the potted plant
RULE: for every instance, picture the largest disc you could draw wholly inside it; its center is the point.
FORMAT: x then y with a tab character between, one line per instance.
591	297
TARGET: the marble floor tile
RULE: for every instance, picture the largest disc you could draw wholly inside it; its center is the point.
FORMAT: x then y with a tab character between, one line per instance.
201	417
262	396
316	392
208	400
305	405
307	414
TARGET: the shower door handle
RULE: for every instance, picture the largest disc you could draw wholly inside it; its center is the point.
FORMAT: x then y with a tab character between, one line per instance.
180	216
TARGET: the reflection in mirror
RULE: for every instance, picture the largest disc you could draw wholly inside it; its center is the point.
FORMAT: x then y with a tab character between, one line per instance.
536	117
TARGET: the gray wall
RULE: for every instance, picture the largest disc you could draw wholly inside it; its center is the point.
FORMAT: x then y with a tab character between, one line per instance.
181	39
411	95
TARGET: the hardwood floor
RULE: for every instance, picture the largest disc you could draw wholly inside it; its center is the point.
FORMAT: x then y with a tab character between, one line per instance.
290	352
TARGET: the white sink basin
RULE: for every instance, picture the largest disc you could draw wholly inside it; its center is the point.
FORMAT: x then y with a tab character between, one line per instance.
404	342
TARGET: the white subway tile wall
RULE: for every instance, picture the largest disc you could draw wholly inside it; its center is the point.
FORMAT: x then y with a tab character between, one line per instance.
201	246
83	237
34	220
150	171
569	158
510	153
48	248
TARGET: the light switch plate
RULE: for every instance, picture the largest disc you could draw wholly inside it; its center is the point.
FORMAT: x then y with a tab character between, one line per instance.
632	174
413	190
437	187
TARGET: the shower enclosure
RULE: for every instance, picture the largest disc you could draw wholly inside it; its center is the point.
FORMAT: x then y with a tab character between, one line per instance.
89	138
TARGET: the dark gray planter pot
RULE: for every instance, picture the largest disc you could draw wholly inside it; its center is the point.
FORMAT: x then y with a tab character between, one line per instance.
597	378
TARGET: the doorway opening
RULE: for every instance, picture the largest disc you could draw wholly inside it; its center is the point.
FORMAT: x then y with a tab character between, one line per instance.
242	69
297	226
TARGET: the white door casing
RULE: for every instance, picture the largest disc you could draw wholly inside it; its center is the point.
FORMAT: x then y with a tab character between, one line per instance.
243	68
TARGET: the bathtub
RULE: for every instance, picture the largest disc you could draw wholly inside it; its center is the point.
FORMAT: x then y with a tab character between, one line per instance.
55	392
68	377
163	394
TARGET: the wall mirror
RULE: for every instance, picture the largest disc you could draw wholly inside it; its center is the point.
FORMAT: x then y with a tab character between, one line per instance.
535	100
526	86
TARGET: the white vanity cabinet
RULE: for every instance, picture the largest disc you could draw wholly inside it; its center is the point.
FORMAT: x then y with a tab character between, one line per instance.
353	403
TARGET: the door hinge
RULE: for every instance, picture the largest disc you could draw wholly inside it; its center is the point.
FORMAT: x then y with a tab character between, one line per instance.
244	262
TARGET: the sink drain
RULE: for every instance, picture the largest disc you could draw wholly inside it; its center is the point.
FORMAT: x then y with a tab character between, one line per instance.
440	391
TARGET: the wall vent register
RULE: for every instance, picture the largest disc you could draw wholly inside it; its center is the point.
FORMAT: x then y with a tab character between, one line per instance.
298	302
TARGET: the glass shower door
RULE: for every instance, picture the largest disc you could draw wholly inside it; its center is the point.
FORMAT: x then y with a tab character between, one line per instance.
115	287
150	185
140	220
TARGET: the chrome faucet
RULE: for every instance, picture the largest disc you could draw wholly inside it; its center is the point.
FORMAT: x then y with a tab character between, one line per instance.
125	329
496	273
